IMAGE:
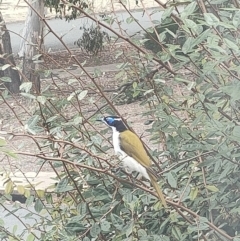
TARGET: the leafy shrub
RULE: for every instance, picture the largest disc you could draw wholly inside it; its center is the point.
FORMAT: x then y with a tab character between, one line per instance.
66	11
164	33
194	106
92	40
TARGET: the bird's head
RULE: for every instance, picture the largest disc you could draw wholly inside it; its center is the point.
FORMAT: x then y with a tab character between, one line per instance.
115	122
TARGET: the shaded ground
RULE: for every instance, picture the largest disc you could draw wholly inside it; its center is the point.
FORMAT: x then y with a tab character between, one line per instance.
110	54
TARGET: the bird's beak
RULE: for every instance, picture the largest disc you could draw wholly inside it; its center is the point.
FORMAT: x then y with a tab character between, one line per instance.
100	119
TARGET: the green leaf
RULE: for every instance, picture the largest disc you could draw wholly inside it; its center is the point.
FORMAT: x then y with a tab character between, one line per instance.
193	194
188	10
97	72
8	153
30	237
211	19
167	13
4	67
236	133
236	19
6	79
71	96
27	193
71	81
148	92
176	232
51	119
227	169
101	194
29	96
73	227
2	142
29	200
156	22
226	25
130	20
38	206
203	36
105	225
182	80
136	93
128	229
202	225
26	86
192	25
82	208
14	228
41	99
63	186
86	239
95	230
77	120
2	224
82	94
172	179
36	57
135	85
9	187
212	188
32	125
77	218
231	44
40	193
232	90
21	189
188	45
117	221
142	233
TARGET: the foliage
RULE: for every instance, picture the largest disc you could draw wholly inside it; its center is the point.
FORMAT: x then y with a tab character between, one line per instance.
194	109
66	11
4	150
168	30
92	40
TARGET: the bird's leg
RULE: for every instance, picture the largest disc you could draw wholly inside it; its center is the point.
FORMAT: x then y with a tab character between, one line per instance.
138	176
116	170
132	178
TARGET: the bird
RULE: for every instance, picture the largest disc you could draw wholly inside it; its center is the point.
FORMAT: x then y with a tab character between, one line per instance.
132	152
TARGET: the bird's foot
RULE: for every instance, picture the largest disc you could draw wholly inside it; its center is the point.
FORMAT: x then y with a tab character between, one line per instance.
116	170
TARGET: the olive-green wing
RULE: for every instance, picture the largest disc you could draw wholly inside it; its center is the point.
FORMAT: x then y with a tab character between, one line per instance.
133	147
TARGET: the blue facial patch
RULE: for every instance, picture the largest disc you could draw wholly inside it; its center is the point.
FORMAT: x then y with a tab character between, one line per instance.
110	120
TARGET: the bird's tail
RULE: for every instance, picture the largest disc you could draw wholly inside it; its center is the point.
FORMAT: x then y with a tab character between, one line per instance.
158	190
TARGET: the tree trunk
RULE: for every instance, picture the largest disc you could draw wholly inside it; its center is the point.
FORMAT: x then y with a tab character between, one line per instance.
12	82
32	43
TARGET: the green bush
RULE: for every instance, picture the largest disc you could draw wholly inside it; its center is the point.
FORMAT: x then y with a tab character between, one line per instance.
165	33
195	139
92	40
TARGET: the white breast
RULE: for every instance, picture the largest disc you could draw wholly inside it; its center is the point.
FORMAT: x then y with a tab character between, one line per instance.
128	162
116	142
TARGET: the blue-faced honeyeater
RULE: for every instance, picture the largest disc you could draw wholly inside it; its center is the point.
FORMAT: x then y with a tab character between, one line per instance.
132	152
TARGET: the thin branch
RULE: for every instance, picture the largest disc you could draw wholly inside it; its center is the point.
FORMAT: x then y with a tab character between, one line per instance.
179	163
